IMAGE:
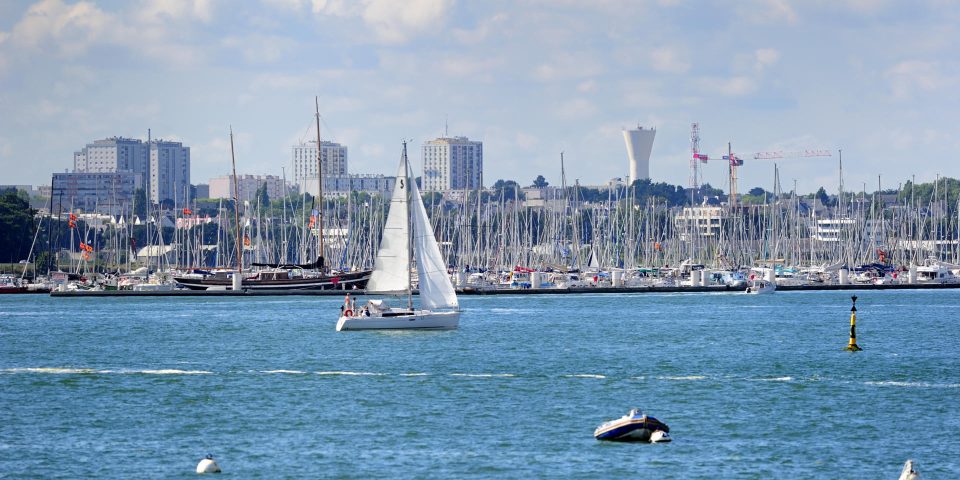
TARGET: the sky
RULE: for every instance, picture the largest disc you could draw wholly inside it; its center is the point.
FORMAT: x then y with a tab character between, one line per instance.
529	78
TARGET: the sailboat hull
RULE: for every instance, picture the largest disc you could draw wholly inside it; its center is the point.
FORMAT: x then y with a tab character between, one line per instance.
420	320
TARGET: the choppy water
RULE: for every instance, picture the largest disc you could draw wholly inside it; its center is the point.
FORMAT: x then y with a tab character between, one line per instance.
751	386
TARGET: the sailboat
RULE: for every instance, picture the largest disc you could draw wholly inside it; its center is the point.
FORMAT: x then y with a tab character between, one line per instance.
407	238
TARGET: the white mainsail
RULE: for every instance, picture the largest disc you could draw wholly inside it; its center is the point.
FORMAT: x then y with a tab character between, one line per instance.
436	291
391	269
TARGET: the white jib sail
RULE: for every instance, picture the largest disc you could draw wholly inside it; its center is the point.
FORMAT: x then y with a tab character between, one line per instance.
391	269
436	291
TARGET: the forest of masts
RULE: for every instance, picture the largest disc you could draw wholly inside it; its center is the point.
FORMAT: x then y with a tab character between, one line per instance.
575	228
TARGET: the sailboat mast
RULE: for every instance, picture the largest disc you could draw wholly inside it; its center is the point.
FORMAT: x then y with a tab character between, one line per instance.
319	188
236	205
409	220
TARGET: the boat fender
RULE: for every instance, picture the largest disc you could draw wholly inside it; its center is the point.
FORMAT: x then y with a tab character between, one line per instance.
348	313
748	289
208	465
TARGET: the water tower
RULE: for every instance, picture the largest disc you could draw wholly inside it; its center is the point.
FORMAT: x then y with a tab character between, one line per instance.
639	145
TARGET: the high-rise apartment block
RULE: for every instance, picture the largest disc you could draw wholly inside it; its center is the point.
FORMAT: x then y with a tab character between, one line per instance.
164	167
333	157
452	164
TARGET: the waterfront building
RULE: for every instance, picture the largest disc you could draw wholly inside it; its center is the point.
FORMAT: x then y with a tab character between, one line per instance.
104	192
704	221
452	163
222	187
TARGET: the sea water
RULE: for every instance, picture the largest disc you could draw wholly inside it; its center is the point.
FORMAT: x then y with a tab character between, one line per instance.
752	386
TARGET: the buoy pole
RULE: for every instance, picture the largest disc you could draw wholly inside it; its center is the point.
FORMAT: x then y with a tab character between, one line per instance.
852	346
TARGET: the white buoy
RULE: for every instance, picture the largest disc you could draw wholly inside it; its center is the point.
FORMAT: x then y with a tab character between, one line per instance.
705	278
844	276
237	281
695	276
616	278
912	276
908	472
208	465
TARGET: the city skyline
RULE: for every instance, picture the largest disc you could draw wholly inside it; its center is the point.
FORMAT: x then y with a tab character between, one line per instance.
529	80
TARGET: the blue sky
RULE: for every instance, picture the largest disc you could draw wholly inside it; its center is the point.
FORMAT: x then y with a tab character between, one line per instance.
529	78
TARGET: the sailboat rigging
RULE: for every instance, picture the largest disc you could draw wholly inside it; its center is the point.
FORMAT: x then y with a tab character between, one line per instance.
407	238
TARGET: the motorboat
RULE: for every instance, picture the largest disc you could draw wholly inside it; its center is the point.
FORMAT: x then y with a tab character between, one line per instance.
757	286
407	238
634	427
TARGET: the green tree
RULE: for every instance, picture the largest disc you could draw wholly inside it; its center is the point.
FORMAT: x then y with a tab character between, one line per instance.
540	182
16	226
822	196
509	189
140	203
263	198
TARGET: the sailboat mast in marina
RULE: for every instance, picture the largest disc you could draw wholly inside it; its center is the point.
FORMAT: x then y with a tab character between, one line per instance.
408	238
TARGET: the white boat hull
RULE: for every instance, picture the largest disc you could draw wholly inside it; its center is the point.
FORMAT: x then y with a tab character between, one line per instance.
420	319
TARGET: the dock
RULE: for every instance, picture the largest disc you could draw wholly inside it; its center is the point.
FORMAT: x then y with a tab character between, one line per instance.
504	291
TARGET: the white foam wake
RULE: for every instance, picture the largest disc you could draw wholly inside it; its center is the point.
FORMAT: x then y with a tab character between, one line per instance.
82	371
482	375
585	375
687	377
892	383
283	371
352	374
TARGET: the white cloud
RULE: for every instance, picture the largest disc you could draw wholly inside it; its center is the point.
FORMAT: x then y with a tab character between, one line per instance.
765	57
731	87
152	11
526	141
459	66
911	77
668	60
587	86
568	65
482	32
391	21
767	12
259	48
577	108
68	29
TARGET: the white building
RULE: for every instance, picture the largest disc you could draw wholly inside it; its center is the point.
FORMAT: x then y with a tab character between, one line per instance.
222	187
333	157
169	178
451	164
639	146
163	166
701	221
114	154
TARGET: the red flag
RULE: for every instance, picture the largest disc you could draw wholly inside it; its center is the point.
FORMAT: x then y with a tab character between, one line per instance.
73	217
187	211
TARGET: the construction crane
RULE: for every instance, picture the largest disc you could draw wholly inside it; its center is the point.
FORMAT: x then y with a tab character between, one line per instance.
734	162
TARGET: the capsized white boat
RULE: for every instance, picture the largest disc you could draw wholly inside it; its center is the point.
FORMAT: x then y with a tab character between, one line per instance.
634	426
407	237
